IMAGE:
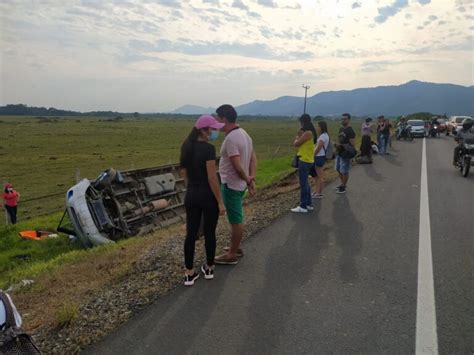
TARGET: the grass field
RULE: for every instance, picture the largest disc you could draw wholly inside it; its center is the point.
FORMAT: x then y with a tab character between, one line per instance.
43	157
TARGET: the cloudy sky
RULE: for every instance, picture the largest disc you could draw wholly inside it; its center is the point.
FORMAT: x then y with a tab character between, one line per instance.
153	56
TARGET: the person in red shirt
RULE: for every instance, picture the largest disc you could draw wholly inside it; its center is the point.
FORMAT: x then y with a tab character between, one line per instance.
10	201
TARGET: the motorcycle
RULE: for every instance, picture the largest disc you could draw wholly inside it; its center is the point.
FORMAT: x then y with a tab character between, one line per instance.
434	131
404	132
465	156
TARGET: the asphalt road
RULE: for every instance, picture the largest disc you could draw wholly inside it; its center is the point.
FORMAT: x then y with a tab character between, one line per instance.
342	279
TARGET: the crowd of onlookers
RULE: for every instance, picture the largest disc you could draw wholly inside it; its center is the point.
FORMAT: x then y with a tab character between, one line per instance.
207	198
314	148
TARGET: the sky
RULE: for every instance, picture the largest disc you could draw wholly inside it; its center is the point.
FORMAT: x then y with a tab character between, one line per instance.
154	56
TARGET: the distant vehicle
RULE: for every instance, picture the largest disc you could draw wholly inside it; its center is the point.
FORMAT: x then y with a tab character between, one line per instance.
118	204
455	123
417	128
404	131
442	125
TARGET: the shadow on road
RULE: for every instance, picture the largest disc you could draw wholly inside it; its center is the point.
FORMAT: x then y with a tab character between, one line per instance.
295	261
370	170
191	321
348	232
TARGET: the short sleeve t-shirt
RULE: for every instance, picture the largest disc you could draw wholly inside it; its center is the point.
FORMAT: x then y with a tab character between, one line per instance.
197	171
236	143
386	130
345	134
325	139
366	129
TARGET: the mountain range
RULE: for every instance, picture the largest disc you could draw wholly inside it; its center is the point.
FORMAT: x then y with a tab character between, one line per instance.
413	96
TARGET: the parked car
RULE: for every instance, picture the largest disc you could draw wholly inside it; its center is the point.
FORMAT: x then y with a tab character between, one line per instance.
455	123
124	204
417	128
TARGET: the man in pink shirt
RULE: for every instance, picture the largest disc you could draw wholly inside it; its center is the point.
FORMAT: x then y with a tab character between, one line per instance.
10	201
237	169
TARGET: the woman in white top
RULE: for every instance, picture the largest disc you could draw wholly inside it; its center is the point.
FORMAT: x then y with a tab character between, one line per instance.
320	157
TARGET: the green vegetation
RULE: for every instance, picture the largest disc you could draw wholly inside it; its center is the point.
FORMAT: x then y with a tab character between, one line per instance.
41	157
66	314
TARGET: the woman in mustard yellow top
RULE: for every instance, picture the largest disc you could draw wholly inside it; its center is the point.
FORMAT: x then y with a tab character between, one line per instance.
305	141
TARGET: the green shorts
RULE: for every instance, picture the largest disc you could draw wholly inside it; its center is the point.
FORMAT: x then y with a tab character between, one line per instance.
233	204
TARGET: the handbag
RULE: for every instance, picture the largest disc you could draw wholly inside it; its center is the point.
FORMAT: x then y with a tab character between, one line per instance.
295	161
349	151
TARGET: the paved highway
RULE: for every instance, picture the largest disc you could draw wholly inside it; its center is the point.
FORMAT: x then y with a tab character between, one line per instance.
369	272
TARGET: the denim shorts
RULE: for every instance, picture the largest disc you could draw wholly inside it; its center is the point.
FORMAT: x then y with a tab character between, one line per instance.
319	161
343	165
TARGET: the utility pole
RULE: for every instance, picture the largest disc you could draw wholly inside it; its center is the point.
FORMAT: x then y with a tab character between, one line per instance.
305	87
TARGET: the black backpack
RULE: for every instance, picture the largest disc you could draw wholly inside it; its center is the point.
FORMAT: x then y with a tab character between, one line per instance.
13	340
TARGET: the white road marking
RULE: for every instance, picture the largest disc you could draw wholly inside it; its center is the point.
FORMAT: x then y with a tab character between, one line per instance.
426	332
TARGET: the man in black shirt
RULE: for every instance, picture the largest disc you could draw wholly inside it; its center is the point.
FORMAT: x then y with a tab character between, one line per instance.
346	142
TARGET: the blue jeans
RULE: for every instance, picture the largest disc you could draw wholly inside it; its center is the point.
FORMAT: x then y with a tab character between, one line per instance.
383	144
384	140
303	174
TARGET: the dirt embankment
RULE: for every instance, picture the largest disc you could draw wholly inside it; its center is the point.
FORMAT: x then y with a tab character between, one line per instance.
82	301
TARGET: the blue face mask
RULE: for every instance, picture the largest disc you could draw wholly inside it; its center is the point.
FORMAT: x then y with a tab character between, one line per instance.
213	136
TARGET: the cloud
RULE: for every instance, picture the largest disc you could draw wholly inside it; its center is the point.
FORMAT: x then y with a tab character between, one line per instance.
267	3
252	50
356	5
462	9
212	2
254	14
384	65
266	32
424	2
170	3
238	4
440	23
389	11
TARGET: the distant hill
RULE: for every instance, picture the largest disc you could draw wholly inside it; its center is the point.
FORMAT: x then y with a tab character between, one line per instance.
193	110
414	96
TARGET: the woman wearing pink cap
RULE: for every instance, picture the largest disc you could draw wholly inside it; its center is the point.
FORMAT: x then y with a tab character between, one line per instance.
10	201
203	199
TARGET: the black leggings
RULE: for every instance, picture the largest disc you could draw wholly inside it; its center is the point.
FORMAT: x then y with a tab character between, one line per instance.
200	205
12	213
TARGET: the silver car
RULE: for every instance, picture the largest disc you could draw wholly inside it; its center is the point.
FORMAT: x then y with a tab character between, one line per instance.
417	128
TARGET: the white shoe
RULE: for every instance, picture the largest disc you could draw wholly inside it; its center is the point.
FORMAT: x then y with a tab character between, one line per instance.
317	196
299	209
309	208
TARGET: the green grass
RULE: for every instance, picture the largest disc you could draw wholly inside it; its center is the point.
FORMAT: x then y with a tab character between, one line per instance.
43	158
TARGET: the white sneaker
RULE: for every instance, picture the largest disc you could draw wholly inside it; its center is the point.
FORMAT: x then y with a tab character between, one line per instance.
299	209
309	208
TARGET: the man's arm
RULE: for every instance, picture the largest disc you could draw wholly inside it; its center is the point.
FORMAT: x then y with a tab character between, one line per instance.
237	164
253	173
253	165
